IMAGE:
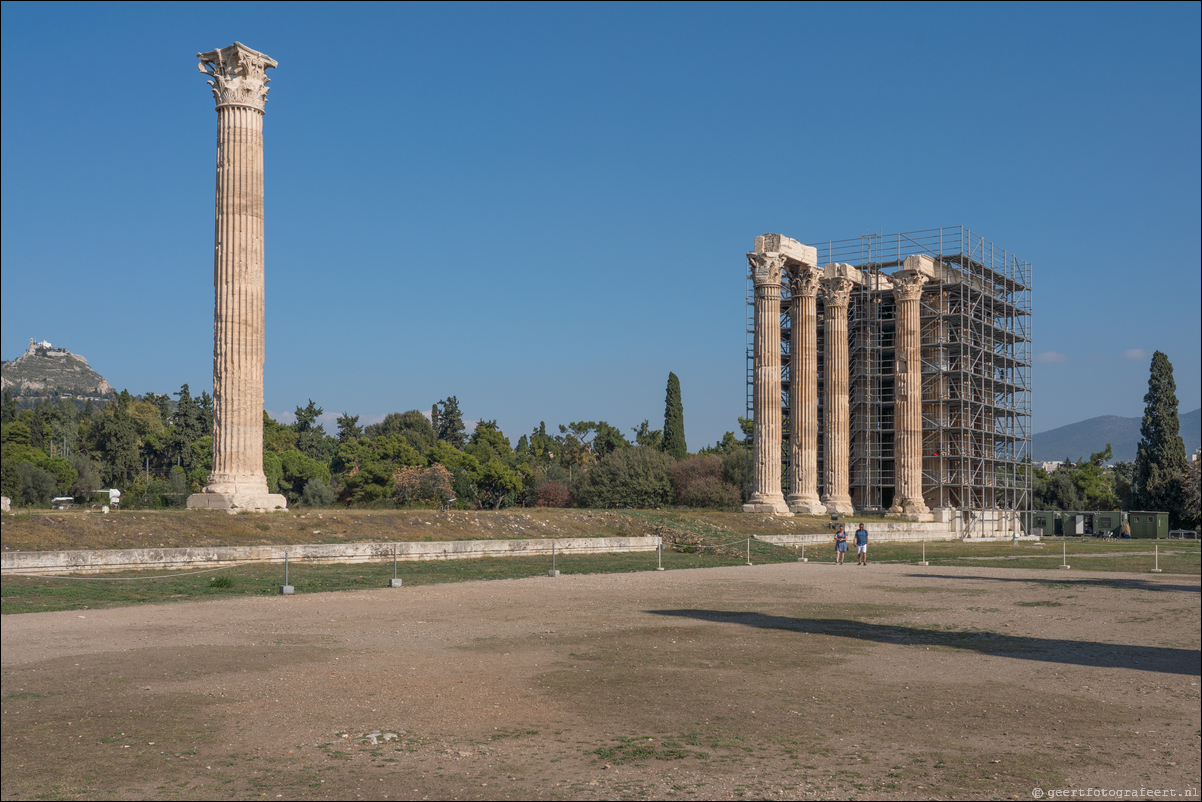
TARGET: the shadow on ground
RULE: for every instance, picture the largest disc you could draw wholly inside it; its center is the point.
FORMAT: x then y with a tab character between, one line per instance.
1052	650
1121	584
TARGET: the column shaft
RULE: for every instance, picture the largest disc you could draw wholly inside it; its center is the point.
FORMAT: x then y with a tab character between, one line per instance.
836	293
239	85
907	404
803	394
766	488
238	282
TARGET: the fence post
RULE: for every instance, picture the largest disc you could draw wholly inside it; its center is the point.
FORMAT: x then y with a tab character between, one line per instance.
396	581
286	588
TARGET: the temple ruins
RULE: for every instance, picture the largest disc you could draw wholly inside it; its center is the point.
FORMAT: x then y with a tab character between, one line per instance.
239	84
891	375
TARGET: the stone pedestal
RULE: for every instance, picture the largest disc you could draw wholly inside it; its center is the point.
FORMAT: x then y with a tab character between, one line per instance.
240	88
908	503
237	502
837	284
766	269
803	393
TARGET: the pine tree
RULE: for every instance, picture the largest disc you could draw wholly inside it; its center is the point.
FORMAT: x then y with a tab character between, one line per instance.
10	409
450	423
348	428
1160	463
674	421
187	427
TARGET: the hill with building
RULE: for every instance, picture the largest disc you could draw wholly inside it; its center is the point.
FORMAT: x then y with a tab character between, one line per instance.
46	372
1077	440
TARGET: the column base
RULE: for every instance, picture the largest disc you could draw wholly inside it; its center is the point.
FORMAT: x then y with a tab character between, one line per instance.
918	513
806	506
237	502
767	505
838	506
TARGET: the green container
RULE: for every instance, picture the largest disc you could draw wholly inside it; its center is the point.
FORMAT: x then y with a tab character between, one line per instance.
1092	523
1041	523
1148	524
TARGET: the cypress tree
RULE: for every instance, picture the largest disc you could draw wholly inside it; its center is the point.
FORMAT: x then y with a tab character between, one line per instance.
1160	463
674	421
450	423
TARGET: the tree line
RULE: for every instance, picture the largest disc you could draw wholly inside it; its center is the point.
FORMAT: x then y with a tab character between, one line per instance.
158	449
1160	478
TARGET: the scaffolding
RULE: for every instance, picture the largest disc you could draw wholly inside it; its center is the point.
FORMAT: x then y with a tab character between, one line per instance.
976	371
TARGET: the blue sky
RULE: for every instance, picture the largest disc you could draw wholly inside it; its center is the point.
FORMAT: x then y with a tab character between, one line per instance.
543	209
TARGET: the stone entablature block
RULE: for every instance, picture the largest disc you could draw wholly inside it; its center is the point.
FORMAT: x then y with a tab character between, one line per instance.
790	248
921	264
843	271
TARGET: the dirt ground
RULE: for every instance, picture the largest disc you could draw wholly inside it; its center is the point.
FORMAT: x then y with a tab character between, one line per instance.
794	680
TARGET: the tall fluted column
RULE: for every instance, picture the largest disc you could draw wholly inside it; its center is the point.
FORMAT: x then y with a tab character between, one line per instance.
836	290
908	502
766	495
240	88
803	392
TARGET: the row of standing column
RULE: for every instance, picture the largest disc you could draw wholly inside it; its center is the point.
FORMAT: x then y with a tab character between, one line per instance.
835	284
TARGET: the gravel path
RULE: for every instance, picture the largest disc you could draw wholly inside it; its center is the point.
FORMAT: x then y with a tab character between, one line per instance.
791	680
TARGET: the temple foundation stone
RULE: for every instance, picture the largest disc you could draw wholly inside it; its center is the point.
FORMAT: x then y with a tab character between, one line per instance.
240	88
837	283
908	503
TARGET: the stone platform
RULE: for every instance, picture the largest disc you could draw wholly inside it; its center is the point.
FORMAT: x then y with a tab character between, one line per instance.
237	502
91	561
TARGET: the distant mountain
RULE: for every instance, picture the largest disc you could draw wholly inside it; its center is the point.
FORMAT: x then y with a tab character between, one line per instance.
1081	439
46	372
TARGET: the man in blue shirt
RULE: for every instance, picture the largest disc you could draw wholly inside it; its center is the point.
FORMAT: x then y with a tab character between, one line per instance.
862	546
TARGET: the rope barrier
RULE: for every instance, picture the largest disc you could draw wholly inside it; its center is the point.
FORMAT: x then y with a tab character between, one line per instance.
713	545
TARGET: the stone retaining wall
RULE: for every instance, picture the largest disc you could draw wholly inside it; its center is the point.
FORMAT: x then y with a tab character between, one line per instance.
885	532
100	561
877	533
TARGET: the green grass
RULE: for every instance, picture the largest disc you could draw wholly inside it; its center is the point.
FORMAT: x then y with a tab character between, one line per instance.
25	594
1176	557
22	594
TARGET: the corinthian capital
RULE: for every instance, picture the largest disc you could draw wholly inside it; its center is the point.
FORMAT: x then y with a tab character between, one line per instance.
836	291
766	268
907	285
239	75
805	281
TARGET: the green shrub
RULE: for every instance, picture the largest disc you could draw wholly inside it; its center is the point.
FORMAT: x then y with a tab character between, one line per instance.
638	477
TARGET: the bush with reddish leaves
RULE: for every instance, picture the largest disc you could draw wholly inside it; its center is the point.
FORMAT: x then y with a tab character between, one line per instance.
552	494
697	482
